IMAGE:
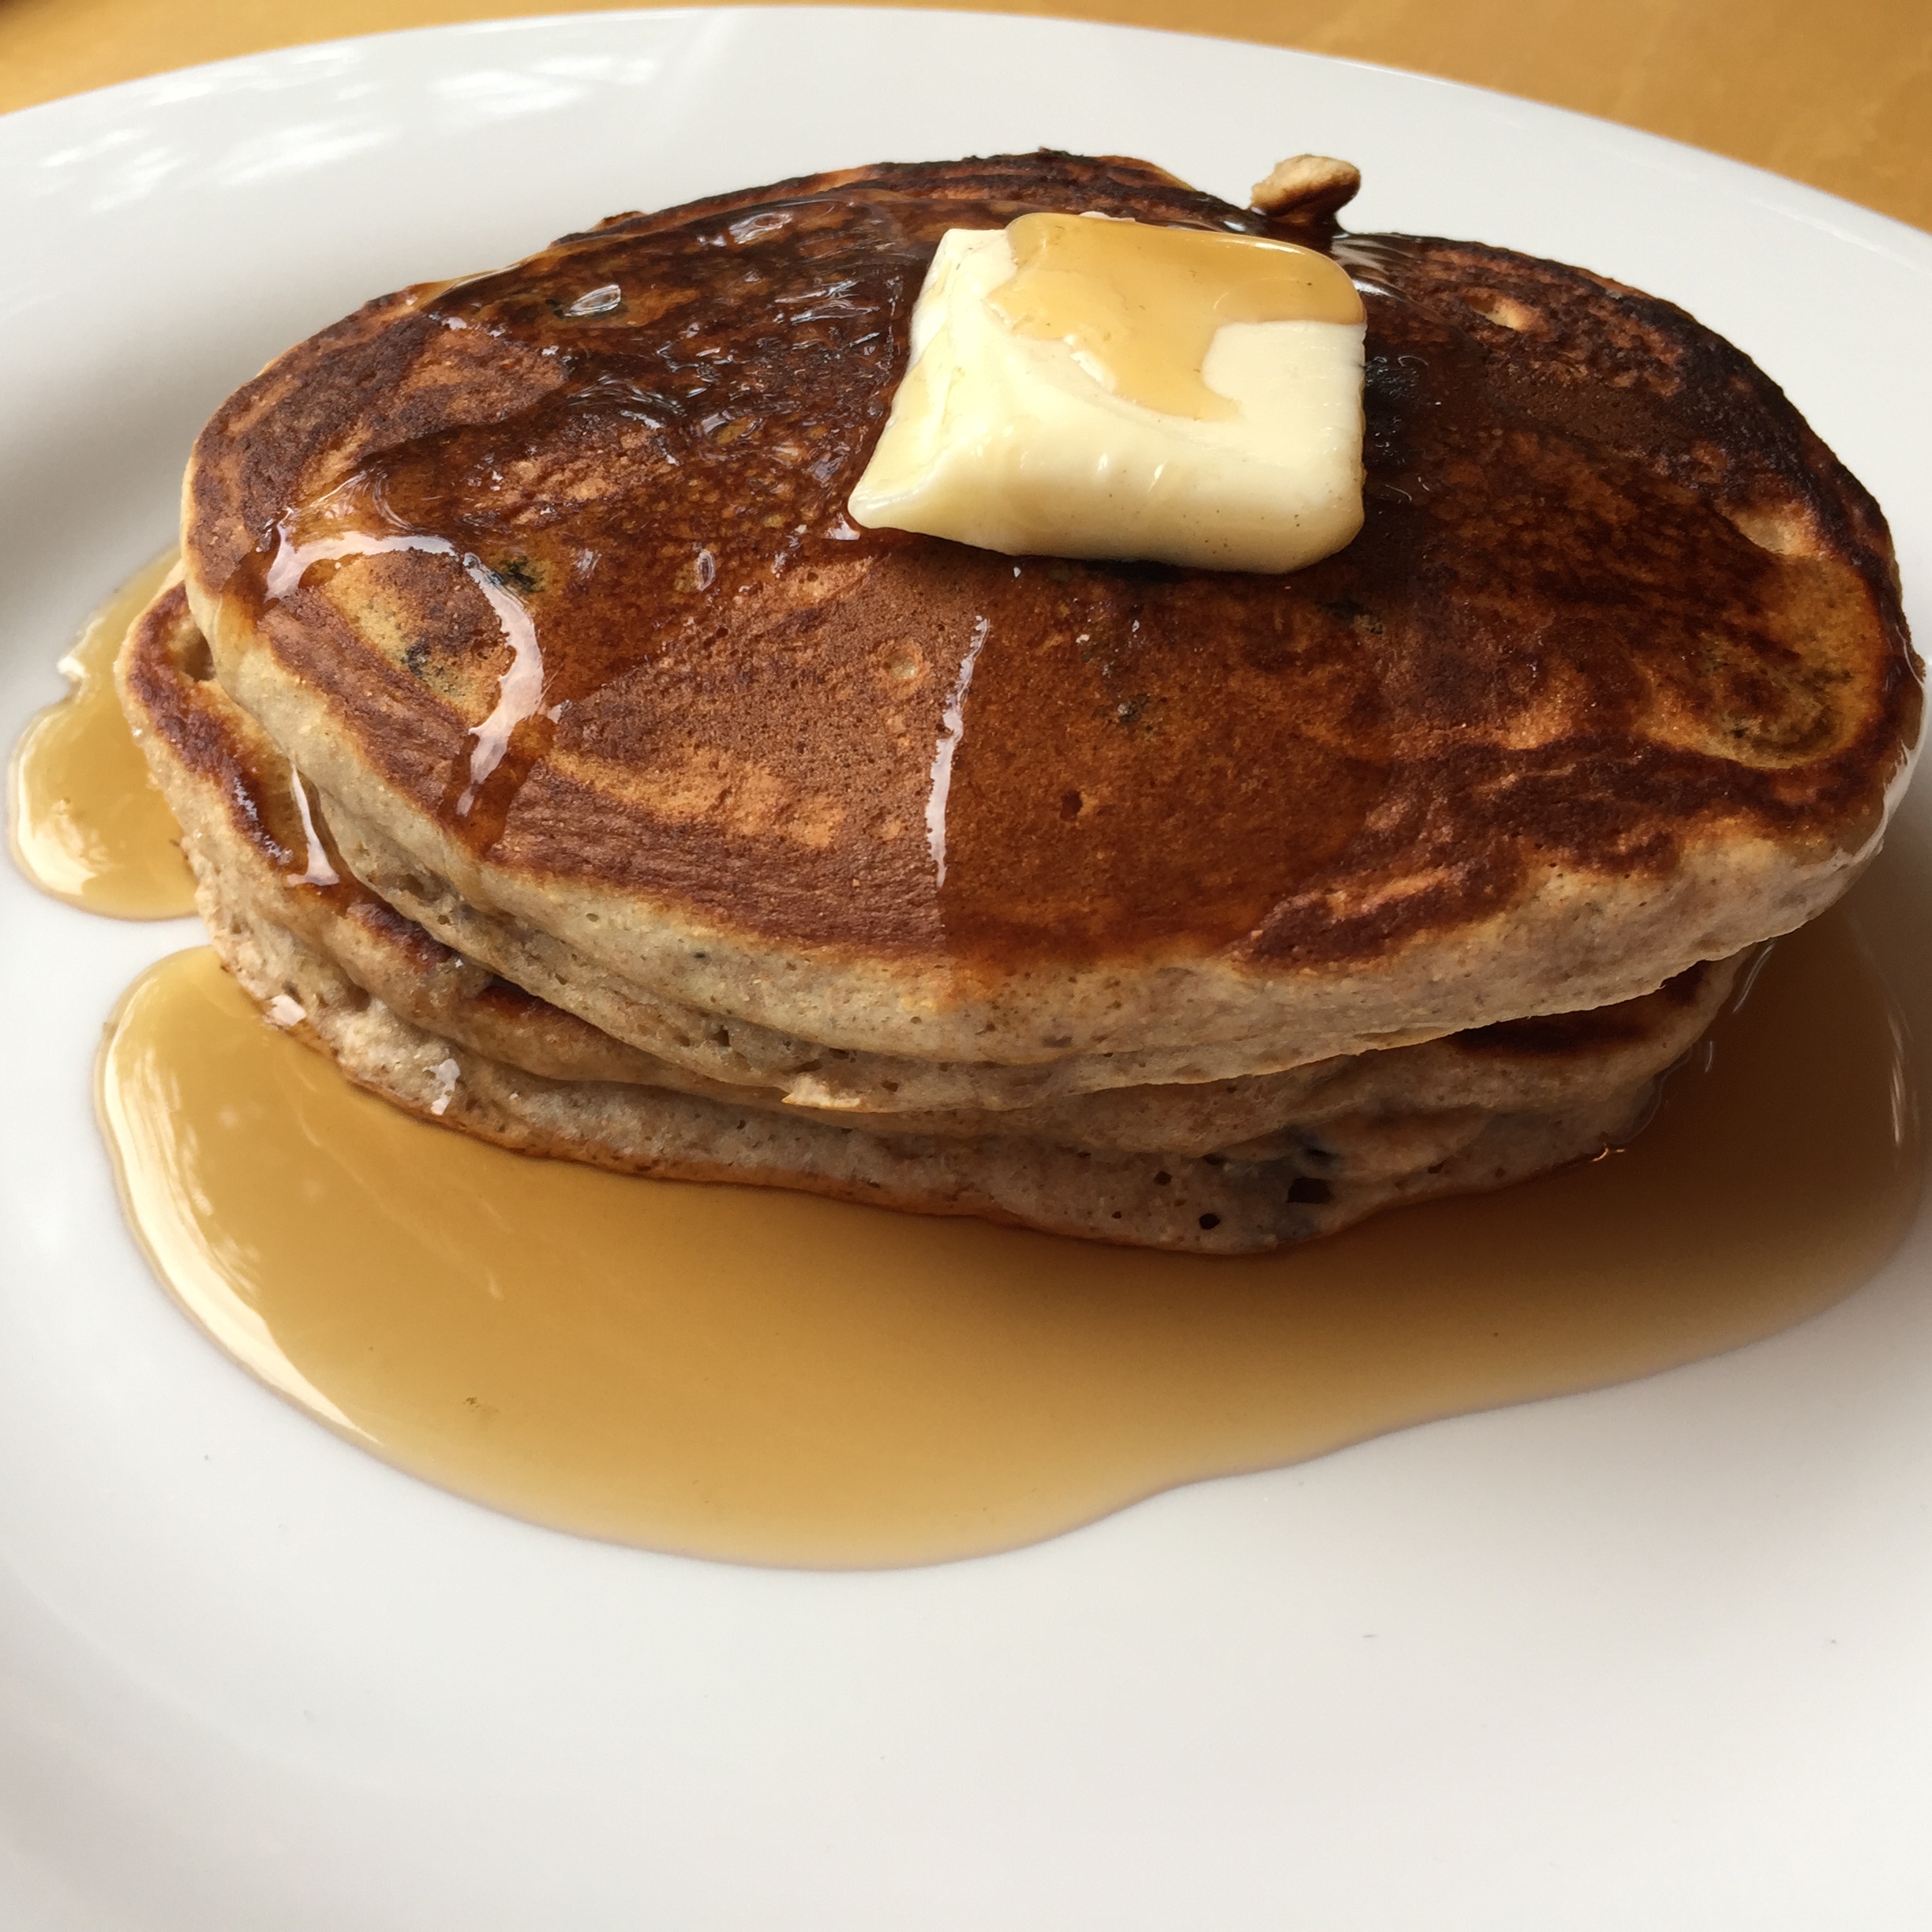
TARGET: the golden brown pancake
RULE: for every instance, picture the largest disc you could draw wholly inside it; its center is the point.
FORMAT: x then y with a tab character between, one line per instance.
544	578
1218	1166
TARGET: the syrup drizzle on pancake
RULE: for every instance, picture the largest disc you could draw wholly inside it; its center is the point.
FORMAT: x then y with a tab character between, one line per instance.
521	688
315	868
1140	306
951	729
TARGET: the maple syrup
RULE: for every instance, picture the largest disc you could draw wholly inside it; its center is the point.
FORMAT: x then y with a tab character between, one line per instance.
88	825
766	1377
1144	302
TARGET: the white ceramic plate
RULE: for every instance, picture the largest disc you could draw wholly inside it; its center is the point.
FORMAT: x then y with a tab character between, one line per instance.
1653	1657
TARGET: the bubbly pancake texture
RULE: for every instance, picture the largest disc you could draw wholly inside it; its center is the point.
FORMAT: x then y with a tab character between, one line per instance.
1218	1167
544	579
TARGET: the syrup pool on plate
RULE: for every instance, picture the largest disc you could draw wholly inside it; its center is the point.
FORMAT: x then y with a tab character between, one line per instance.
761	1376
88	825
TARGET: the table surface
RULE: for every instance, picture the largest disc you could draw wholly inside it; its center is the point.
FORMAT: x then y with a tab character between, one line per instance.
1837	95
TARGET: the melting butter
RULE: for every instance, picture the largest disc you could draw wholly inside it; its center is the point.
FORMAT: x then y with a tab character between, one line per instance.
87	823
1095	388
766	1377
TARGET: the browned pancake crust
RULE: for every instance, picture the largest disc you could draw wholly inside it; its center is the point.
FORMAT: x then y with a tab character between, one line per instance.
1613	600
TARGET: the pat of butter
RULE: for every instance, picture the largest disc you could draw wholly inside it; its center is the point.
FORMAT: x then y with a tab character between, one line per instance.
1084	388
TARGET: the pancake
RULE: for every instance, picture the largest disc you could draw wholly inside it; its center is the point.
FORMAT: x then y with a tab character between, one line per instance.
1221	1167
544	579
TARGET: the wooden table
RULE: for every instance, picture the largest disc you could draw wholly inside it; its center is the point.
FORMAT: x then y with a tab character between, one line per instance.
1838	95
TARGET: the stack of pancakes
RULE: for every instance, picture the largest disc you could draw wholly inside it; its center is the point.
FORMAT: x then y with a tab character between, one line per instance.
553	751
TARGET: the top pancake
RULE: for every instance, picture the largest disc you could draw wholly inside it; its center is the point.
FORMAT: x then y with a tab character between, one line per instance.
1614	680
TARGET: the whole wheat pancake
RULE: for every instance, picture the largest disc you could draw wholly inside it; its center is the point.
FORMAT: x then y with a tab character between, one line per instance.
544	578
1218	1166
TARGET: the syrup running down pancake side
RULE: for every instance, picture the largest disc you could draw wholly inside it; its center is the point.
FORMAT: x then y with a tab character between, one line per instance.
763	1377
